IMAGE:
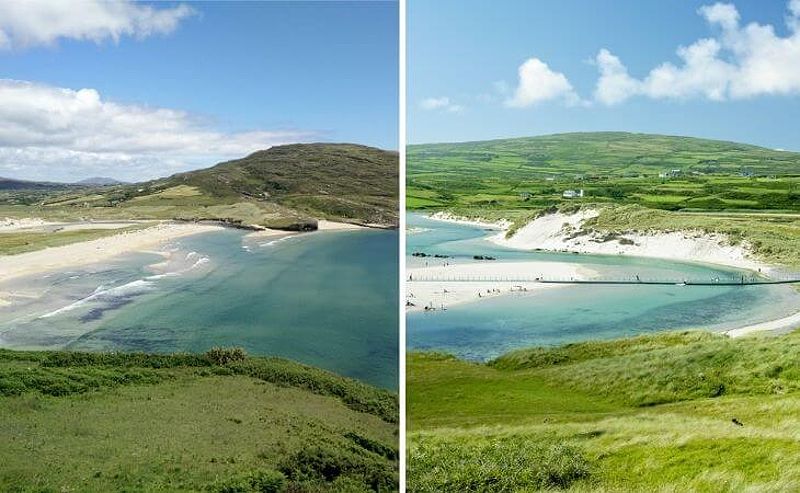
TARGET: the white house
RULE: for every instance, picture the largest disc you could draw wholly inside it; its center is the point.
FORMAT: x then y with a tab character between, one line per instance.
572	194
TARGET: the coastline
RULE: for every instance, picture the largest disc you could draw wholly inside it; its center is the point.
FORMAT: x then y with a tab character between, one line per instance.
88	252
557	233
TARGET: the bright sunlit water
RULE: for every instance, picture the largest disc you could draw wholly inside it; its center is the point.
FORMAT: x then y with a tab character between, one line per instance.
490	327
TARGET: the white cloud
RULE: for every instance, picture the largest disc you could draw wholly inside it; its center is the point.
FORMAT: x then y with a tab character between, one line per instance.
614	85
54	133
26	23
538	83
740	62
441	103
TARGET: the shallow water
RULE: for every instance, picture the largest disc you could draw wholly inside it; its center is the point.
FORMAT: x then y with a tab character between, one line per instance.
326	299
488	328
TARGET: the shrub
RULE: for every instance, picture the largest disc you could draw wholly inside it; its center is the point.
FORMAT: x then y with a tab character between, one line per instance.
331	463
254	482
226	356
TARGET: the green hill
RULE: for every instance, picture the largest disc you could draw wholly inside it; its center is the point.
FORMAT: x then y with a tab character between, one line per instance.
688	411
217	422
609	166
286	187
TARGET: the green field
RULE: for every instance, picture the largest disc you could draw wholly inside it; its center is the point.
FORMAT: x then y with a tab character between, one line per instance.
285	187
614	167
218	422
671	412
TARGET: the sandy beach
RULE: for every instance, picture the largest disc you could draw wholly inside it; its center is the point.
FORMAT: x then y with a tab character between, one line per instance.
780	325
83	253
439	295
325	225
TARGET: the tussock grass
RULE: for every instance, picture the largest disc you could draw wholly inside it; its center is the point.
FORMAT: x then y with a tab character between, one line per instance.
669	412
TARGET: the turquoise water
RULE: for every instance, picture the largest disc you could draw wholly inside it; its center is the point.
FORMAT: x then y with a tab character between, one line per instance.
325	299
491	327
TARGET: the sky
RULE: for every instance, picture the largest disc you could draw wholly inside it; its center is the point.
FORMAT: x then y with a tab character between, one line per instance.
135	91
725	70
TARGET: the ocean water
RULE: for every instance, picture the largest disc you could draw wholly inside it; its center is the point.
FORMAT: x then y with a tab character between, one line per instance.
491	327
326	299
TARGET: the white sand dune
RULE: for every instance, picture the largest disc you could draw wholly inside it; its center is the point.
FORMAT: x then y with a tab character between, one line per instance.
562	232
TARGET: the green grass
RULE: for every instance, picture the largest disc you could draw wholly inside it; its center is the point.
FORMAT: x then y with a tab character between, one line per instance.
220	422
651	413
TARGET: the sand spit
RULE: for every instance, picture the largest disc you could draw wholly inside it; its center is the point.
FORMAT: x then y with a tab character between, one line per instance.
447	292
87	252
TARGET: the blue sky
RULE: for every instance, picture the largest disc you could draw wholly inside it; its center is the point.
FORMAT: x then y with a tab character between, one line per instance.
742	84
203	82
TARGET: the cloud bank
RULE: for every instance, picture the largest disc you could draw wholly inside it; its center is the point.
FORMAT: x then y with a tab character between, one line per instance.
740	62
737	62
53	133
27	23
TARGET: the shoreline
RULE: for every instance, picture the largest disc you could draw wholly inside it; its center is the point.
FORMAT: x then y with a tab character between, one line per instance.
552	233
97	250
100	249
561	233
440	295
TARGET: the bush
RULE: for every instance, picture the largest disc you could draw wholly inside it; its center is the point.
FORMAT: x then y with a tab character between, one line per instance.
226	356
254	482
332	463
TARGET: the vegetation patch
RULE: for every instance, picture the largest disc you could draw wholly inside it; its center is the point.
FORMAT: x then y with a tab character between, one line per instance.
494	464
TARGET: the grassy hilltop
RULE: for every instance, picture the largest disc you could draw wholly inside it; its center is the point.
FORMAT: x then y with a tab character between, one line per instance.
690	411
218	422
284	187
615	167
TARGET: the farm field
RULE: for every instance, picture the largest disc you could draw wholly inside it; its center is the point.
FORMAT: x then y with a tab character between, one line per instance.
610	167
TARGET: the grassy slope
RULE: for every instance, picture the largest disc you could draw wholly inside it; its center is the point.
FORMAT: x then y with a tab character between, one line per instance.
131	422
282	187
652	413
610	166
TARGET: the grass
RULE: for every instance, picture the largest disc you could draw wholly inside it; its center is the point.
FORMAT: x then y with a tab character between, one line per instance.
220	422
650	413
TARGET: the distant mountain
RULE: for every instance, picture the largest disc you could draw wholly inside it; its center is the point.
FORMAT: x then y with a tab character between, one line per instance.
287	187
615	153
12	184
99	181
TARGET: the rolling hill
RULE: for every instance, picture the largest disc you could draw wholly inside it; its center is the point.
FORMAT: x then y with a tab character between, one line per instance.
285	187
616	167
